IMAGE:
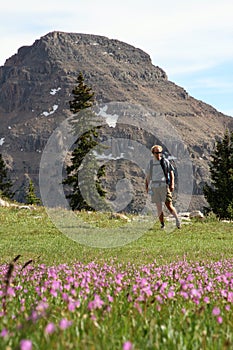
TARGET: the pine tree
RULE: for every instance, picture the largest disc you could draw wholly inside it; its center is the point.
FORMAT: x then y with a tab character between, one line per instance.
5	182
80	106
83	96
31	197
219	193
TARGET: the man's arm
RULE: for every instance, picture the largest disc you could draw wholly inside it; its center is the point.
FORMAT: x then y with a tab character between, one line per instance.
172	181
148	171
147	184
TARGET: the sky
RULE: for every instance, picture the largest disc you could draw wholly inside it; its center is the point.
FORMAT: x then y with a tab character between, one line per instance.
192	40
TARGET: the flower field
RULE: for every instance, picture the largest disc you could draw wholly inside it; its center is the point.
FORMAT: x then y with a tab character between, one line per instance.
99	305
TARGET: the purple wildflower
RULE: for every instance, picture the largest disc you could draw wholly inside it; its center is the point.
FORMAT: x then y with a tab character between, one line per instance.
4	333
127	345
230	297
50	328
25	344
170	294
216	311
96	303
110	298
64	323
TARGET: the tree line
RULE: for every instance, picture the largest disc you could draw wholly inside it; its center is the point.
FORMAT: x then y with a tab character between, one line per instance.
218	192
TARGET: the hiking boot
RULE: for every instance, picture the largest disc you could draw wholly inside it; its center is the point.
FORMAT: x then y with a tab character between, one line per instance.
162	225
178	224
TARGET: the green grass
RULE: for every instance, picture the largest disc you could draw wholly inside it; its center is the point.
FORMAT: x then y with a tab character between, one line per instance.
33	235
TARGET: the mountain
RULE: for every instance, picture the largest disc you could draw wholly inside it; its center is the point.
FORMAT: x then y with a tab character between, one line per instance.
36	85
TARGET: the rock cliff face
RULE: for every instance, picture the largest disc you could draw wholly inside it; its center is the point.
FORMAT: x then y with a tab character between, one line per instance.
35	87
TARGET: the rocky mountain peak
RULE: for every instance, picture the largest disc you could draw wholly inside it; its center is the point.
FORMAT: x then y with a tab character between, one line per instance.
36	83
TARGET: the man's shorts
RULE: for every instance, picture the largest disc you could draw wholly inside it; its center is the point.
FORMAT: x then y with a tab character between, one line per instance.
161	194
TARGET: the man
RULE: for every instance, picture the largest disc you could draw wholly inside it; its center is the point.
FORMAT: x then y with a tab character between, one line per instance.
160	181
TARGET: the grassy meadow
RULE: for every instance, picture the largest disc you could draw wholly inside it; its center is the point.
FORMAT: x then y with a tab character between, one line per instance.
161	291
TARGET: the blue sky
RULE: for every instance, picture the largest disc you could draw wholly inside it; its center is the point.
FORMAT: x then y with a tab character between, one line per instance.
192	40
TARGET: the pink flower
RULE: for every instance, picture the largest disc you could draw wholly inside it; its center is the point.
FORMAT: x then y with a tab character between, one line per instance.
96	303
219	319
25	344
163	286
170	294
10	291
64	323
110	298
53	293
4	333
42	306
216	311
230	297
195	293
183	310
71	306
50	328
138	307
127	345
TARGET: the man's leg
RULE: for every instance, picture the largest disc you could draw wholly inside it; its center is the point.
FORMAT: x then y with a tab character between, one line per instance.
159	206
171	208
173	211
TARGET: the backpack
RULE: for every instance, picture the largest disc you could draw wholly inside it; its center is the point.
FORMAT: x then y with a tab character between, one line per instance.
166	166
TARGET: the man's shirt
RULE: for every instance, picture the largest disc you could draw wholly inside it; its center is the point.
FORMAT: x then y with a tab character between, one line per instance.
156	176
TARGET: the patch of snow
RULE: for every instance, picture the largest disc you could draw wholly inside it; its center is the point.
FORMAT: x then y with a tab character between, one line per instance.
108	53
2	140
94	44
9	127
107	156
46	114
111	119
54	91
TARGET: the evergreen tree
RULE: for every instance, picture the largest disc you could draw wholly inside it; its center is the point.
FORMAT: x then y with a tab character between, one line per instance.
5	182
80	106
83	96
219	193
31	197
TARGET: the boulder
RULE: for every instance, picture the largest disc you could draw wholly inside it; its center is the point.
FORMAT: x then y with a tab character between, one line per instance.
197	214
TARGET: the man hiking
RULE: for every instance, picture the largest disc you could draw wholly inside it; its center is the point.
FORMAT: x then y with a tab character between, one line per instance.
160	182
